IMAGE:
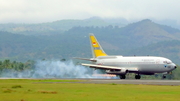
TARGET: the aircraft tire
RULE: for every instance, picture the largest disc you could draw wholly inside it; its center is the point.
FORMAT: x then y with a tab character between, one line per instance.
163	77
122	76
137	77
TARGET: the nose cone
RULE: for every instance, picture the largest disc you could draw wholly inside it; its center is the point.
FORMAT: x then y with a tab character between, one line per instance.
174	66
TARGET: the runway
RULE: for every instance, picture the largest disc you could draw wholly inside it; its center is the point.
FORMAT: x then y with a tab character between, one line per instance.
139	82
111	81
127	81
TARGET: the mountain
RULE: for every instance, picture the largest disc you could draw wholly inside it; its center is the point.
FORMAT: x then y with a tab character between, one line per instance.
134	35
168	49
140	38
56	27
169	22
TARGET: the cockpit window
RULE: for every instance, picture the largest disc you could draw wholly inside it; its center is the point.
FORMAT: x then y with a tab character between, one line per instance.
167	62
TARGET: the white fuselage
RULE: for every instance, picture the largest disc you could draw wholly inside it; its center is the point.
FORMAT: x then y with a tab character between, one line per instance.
144	64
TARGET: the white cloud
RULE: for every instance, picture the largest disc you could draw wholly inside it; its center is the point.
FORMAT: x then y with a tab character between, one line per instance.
35	11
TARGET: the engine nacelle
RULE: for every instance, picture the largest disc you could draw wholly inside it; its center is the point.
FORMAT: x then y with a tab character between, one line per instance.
123	71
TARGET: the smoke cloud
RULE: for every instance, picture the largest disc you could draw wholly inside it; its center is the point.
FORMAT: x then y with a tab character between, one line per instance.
51	69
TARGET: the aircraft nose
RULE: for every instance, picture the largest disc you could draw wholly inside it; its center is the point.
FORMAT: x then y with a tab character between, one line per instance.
175	67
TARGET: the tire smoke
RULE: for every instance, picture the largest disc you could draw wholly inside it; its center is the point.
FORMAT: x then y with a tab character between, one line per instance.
51	69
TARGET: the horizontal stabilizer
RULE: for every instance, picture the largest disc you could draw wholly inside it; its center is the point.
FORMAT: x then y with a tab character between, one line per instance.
93	60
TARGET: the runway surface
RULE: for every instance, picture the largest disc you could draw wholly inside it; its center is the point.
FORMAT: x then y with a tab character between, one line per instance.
113	81
143	82
127	81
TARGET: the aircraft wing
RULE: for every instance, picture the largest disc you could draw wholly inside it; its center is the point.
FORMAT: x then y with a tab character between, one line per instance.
131	69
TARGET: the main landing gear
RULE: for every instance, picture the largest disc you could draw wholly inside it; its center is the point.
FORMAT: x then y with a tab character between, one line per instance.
164	76
122	76
137	76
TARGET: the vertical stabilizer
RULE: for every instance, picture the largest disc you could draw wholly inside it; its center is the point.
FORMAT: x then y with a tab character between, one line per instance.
96	47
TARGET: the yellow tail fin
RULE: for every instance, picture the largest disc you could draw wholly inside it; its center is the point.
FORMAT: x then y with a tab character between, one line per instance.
96	47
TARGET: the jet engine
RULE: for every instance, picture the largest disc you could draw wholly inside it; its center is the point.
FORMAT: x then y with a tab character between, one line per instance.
122	71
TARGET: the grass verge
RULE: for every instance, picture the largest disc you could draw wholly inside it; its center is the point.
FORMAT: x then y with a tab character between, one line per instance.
27	90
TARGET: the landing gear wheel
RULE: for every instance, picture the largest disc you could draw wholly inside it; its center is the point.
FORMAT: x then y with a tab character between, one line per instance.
122	76
163	77
137	77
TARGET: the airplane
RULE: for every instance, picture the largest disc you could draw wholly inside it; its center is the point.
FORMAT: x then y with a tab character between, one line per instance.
121	65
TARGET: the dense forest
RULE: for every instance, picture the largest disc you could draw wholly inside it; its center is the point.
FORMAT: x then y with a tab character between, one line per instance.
18	66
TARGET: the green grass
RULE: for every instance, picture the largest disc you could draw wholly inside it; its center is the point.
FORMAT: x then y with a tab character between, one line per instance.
37	90
35	80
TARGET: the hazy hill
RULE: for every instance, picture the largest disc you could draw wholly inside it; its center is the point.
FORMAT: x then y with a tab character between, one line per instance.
141	38
146	32
131	36
168	49
56	27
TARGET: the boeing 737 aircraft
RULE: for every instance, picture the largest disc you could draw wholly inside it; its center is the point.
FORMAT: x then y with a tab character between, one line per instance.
121	65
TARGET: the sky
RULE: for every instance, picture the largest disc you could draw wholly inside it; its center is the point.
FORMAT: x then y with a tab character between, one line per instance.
39	11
